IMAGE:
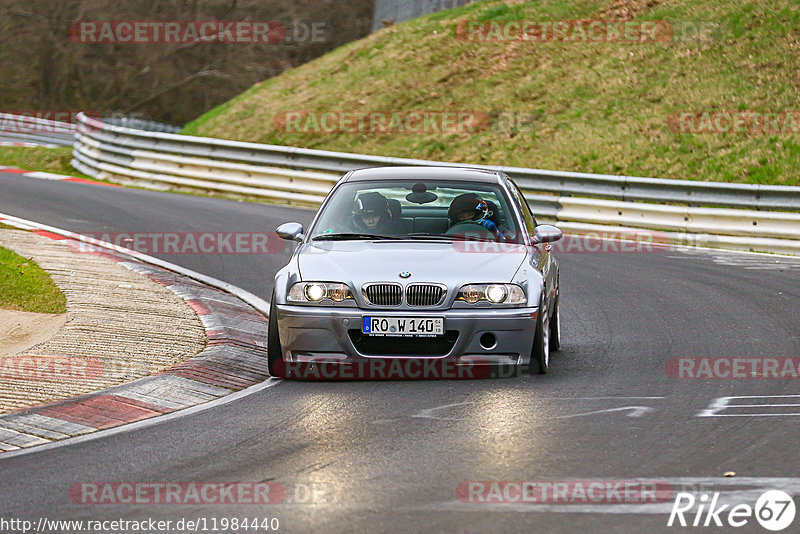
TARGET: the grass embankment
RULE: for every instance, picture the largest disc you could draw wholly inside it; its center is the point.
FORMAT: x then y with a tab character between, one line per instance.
590	106
55	160
25	286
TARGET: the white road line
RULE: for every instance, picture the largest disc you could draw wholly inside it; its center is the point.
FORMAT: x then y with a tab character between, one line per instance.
741	258
600	398
733	490
428	413
46	175
635	411
254	301
723	403
145	423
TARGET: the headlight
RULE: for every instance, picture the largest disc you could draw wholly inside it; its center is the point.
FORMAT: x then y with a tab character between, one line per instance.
493	293
471	294
305	292
315	292
496	293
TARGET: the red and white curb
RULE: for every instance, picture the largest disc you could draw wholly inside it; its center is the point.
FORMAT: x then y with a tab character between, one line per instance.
41	175
234	359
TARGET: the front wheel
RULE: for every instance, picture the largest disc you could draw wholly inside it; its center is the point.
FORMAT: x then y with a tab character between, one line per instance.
540	354
275	363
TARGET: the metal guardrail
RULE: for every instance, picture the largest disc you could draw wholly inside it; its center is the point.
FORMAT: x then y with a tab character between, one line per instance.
47	132
304	176
37	131
388	12
141	124
624	188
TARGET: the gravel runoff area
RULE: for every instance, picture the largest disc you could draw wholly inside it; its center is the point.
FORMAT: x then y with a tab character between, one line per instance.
120	326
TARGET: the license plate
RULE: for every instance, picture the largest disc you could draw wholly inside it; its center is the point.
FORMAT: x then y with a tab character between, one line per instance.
403	326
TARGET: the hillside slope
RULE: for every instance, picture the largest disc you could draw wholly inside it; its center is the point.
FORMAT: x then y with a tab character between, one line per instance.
569	104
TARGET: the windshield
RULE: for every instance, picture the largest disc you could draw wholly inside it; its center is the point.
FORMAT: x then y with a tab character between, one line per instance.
417	209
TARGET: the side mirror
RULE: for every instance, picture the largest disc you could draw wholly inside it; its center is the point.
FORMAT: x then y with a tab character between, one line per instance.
547	233
290	231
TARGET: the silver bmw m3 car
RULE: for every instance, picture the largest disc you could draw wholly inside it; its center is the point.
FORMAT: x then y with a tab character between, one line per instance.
416	272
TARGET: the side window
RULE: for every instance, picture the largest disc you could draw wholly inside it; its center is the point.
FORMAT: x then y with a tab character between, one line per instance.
522	204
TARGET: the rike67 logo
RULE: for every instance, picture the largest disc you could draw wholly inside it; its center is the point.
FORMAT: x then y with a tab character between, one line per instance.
774	510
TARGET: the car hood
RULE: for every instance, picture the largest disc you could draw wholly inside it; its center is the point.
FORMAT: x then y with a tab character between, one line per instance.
454	264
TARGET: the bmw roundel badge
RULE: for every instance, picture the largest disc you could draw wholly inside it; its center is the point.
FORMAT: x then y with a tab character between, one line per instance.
405	274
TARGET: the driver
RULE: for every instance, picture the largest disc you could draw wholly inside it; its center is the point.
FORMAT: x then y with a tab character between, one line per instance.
371	213
469	207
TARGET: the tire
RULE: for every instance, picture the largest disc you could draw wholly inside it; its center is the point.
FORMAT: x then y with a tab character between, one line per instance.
275	363
555	327
540	353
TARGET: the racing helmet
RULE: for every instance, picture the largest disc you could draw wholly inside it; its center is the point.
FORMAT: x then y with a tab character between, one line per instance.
467	202
371	204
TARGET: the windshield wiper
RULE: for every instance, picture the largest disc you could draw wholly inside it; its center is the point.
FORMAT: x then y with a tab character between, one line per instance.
445	237
425	235
346	236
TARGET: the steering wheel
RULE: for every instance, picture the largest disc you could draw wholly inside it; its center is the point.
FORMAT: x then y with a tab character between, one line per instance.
469	227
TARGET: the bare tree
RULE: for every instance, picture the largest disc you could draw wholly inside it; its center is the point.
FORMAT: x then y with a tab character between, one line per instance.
43	67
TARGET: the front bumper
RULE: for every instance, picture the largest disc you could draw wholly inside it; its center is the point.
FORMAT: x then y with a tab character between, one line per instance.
502	336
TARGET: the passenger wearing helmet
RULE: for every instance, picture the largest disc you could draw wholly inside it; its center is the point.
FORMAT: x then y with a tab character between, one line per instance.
469	207
371	213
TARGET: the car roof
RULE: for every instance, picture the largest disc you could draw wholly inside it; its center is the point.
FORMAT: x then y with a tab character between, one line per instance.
424	172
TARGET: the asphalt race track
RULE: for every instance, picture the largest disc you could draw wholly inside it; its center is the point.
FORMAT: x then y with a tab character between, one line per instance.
389	456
